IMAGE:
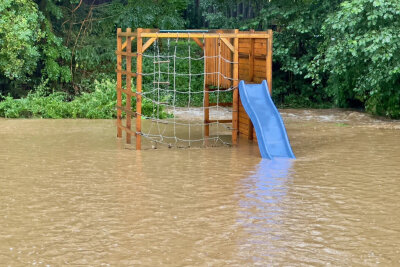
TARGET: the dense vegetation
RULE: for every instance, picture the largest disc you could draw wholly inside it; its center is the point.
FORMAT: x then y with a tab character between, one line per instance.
57	56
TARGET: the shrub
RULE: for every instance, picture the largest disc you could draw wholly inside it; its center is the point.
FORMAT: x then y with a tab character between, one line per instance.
100	104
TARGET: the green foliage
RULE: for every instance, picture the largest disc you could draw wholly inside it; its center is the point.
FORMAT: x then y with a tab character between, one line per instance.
296	40
19	34
100	104
361	54
28	46
296	25
54	56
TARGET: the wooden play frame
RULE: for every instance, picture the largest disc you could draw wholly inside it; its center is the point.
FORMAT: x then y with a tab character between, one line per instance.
250	52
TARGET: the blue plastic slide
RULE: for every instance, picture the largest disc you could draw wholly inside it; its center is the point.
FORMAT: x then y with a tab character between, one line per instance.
271	133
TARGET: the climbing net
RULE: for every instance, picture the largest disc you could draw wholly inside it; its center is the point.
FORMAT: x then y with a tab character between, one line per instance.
176	74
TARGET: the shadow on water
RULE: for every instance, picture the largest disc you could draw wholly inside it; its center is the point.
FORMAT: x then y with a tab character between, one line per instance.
261	210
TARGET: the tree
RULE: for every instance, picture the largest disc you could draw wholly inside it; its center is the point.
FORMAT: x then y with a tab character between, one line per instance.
361	54
19	36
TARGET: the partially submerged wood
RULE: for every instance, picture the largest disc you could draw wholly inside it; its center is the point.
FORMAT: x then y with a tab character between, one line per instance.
230	56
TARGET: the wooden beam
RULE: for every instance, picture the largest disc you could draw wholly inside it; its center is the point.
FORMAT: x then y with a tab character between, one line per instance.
129	131
126	42
128	93
220	104
119	82
269	61
220	89
219	121
127	111
148	44
206	111
204	35
128	86
127	54
198	42
235	101
228	44
139	89
124	72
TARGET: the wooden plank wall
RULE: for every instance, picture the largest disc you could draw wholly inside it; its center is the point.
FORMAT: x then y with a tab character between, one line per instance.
214	65
253	68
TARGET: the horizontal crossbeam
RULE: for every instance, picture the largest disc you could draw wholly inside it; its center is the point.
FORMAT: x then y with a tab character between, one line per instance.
203	35
126	54
220	104
219	121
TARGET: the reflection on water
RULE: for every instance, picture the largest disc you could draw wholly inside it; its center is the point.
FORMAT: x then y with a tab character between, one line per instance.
260	212
71	194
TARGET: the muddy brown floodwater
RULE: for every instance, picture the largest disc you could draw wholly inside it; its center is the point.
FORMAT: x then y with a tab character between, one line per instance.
71	193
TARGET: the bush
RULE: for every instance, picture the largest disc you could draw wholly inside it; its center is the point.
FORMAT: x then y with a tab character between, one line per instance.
100	104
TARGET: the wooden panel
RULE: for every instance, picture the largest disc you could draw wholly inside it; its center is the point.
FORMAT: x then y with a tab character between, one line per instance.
261	63
244	71
261	52
244	121
243	129
242	111
214	65
243	115
244	50
260	44
244	43
258	79
260	72
244	61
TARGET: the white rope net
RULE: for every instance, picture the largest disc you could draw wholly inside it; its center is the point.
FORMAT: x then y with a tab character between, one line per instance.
174	80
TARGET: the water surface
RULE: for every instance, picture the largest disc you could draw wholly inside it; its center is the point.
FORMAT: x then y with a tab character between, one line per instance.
71	193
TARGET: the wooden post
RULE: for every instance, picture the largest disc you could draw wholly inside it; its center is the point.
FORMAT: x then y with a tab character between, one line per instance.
128	86
206	111
119	83
269	61
139	89
251	78
235	104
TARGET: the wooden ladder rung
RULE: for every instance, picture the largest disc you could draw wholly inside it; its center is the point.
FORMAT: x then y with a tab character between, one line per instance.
158	62
220	89
124	72
160	82
127	111
127	54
